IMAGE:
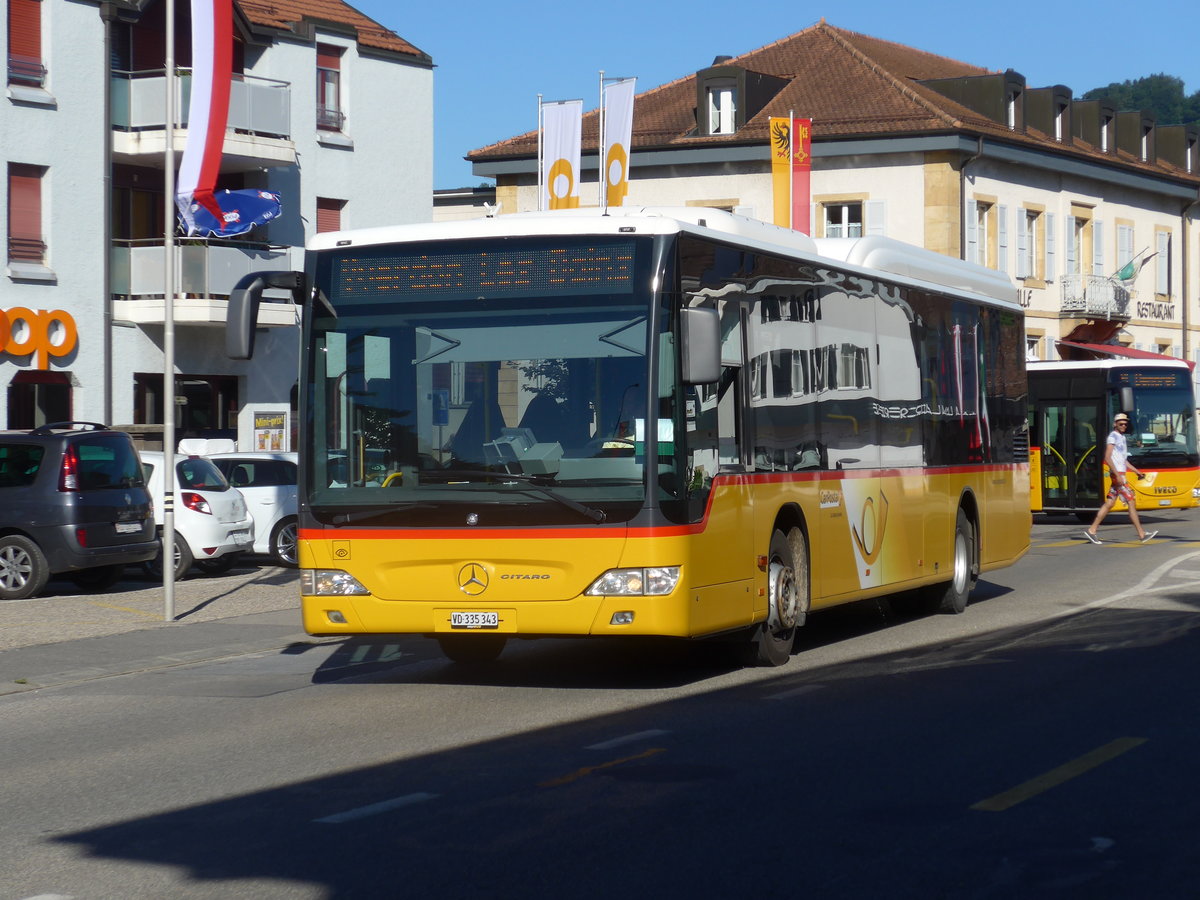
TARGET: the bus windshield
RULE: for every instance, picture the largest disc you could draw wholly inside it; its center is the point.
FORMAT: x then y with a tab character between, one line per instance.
1164	423
471	382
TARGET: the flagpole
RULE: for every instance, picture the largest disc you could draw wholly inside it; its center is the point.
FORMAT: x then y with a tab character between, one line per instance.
791	164
540	204
168	393
602	175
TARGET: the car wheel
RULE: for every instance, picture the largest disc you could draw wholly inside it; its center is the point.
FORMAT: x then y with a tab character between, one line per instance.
23	568
218	566
183	560
99	578
283	543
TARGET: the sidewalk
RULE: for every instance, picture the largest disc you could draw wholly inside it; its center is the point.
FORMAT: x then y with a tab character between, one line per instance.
65	637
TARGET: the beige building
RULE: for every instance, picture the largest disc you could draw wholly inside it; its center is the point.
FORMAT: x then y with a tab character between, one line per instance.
1061	194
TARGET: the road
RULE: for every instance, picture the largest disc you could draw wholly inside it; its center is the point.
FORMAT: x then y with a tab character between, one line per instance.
1040	745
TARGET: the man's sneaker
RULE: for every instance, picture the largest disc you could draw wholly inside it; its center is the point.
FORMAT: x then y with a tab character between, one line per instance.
1148	535
1095	540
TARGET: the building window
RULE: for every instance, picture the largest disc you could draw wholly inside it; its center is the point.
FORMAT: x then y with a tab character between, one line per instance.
329	88
843	220
329	214
1162	263
38	398
721	108
25	241
1106	127
1033	347
1060	117
1029	244
25	43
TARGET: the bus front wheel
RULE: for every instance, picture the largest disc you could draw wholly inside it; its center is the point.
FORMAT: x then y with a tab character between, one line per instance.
951	597
787	600
483	648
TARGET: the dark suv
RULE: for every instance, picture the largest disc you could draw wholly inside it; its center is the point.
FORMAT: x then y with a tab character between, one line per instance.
73	501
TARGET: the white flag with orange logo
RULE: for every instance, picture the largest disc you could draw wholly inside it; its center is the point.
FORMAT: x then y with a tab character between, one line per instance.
562	129
618	133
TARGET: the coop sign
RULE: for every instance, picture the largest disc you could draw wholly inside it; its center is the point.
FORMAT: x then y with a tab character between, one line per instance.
40	333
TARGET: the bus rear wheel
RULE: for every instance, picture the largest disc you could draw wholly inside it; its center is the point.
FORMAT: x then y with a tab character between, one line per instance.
472	649
787	600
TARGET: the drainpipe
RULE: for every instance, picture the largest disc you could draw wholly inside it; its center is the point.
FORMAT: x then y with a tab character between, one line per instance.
962	200
108	14
1187	243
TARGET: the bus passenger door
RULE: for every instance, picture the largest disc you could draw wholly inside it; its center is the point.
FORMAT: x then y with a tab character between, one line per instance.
1072	458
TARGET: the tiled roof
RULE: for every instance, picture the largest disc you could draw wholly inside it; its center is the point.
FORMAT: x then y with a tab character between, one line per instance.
292	15
851	85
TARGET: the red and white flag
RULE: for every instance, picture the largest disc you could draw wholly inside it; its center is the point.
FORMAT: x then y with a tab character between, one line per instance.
208	110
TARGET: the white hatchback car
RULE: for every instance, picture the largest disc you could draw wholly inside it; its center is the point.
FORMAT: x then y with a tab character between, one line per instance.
268	481
212	522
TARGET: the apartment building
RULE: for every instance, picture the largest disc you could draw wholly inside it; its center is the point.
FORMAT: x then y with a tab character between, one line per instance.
1066	196
328	109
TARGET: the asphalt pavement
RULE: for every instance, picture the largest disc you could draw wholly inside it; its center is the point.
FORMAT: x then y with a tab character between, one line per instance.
66	637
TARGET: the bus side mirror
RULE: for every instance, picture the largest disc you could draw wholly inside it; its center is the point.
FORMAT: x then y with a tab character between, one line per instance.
241	319
1126	400
700	334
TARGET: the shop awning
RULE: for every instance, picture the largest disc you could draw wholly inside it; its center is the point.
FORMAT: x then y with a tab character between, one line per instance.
1079	350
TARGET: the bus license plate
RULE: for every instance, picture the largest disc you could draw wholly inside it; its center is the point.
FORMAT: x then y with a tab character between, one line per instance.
474	620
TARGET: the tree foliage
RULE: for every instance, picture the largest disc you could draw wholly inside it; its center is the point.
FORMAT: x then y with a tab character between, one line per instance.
1164	94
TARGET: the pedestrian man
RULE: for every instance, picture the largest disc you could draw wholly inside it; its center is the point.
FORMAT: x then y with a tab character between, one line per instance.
1116	457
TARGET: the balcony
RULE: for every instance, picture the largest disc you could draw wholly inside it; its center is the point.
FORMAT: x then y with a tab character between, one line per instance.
1094	297
258	133
206	271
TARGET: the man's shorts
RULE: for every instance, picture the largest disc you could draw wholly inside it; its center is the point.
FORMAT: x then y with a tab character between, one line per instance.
1124	491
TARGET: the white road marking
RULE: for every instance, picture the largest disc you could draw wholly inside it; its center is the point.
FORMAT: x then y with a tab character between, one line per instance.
794	692
375	809
627	739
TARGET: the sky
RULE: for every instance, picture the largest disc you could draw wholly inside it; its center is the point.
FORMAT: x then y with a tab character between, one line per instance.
493	59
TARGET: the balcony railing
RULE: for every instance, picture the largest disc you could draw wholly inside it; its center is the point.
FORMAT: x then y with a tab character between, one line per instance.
257	106
1094	296
329	119
207	271
26	70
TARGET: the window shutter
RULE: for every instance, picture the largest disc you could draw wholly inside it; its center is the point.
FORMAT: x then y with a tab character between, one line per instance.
1097	248
972	231
1072	249
1002	238
25	41
329	57
1022	244
1162	263
1124	245
876	217
329	215
1050	246
25	213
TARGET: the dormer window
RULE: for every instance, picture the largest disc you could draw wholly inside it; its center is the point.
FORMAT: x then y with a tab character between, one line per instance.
1011	101
728	96
1106	127
1060	122
722	107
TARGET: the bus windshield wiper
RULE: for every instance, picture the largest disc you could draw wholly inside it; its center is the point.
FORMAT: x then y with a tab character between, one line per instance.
369	515
529	481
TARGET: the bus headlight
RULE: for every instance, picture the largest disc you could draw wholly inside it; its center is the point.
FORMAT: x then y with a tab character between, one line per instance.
329	582
635	582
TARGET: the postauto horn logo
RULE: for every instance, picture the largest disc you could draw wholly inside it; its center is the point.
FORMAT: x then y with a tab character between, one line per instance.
44	333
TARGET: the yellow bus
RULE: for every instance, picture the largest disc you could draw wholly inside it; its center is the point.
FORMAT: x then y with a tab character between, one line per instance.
652	422
1071	409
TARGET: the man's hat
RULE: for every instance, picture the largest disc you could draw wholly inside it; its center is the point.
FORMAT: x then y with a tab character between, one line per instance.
1120	417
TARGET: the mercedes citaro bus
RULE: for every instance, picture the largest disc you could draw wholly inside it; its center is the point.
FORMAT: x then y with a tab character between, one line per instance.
651	422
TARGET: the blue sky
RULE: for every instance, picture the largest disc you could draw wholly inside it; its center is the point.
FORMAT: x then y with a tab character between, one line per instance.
493	59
